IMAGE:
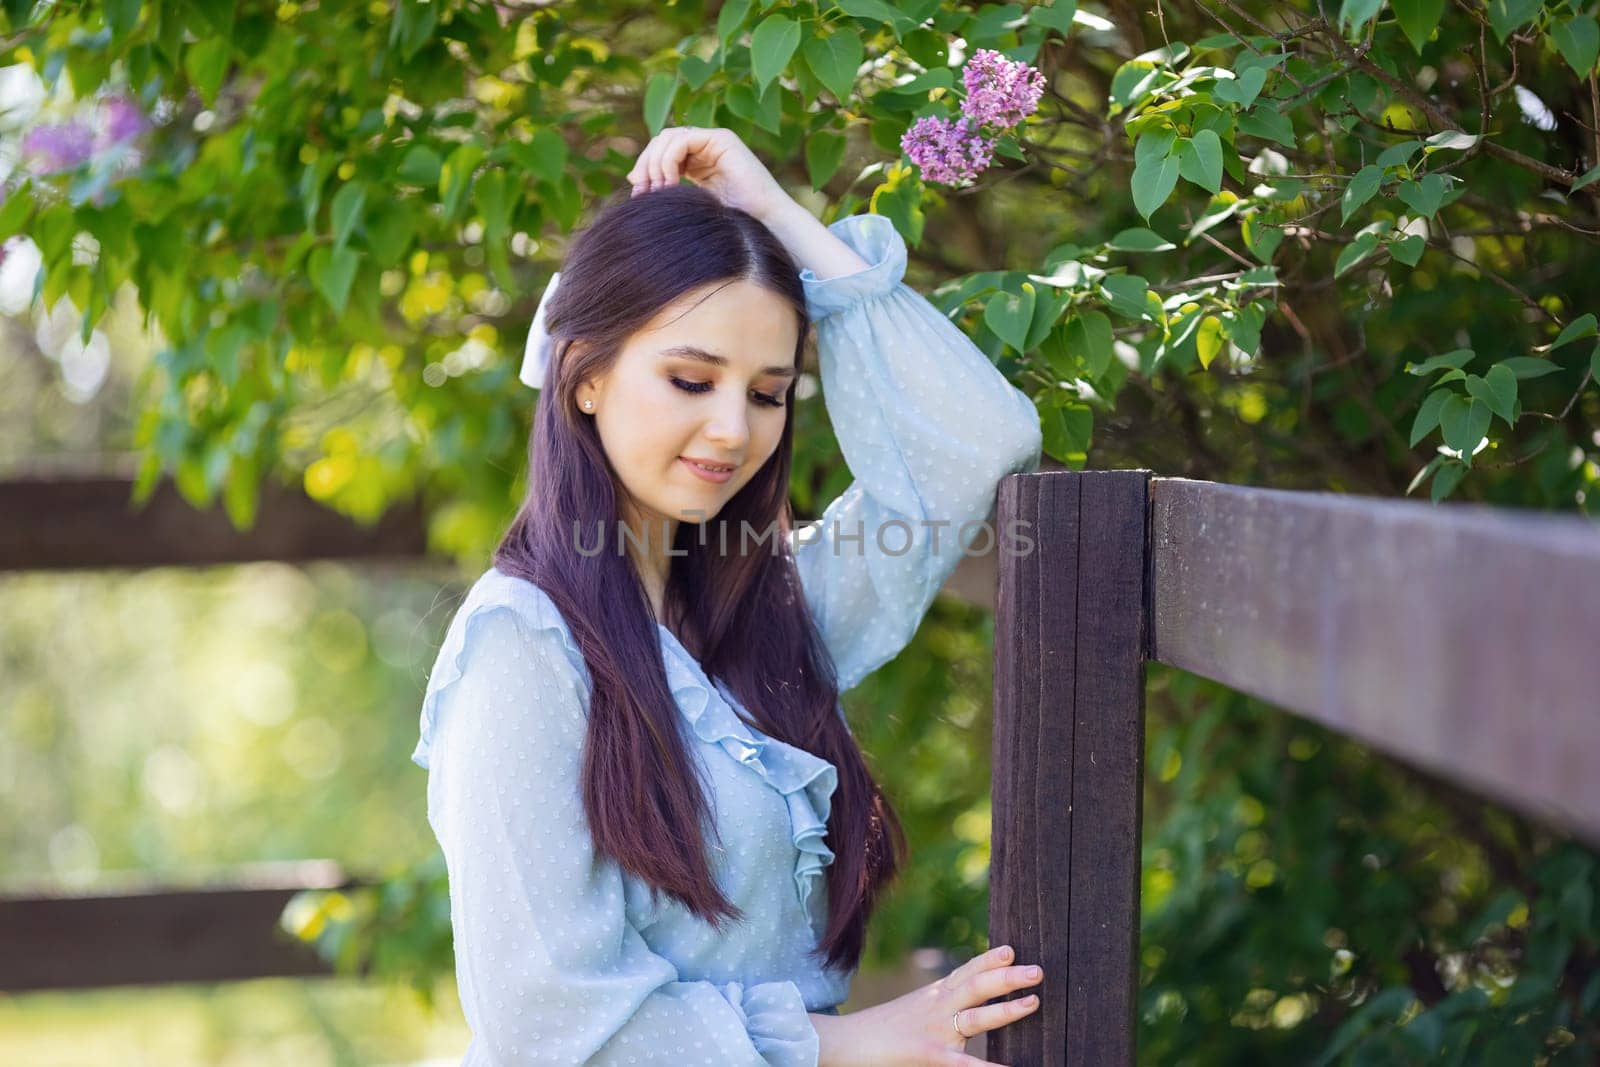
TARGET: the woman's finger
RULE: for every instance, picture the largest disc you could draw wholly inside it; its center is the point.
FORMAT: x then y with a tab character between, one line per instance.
672	158
998	956
986	1017
997	981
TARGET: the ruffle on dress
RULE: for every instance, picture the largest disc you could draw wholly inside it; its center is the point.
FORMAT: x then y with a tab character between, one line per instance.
805	781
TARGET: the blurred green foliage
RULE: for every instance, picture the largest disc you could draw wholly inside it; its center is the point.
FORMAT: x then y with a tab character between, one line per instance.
1270	244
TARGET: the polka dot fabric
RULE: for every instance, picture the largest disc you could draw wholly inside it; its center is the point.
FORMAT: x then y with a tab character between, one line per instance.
563	959
927	425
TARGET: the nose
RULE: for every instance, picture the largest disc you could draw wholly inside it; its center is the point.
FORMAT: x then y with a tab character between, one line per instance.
729	427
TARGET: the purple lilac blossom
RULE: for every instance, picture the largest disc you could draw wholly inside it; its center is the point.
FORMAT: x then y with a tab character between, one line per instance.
59	147
1000	91
120	119
948	151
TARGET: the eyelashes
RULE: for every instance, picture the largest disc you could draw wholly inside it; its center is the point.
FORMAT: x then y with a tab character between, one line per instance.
701	387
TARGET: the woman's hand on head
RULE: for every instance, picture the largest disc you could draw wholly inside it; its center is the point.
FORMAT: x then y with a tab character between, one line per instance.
915	1028
713	158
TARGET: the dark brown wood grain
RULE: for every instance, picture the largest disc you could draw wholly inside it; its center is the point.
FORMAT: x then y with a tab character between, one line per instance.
1458	638
1068	736
214	933
60	522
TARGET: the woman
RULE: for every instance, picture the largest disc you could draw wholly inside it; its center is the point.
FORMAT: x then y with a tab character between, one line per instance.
663	842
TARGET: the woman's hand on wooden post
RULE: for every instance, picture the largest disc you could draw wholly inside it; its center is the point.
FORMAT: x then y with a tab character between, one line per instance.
713	158
915	1029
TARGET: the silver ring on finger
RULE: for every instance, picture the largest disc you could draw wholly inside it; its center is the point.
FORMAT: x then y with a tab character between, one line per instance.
955	1021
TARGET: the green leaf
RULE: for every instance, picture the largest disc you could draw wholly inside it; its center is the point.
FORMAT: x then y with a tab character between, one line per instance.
1464	424
1451	471
1088	337
1010	314
834	60
1355	14
15	209
1200	161
658	92
1244	327
492	193
455	177
824	153
1582	326
1241	90
1502	392
1425	196
1397	155
696	71
1269	124
1589	177
1209	340
1453	140
731	17
420	166
544	155
1125	295
1046	310
1057	16
206	62
1501	395
1428	415
1418	18
1505	16
877	11
1408	249
1456	358
1340	1042
1594	365
1067	429
772	45
346	211
121	17
1578	40
1139	239
1361	189
1530	367
1354	252
332	271
1153	181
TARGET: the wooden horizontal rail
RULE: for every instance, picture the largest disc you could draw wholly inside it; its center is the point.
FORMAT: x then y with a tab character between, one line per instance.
57	522
1459	638
221	931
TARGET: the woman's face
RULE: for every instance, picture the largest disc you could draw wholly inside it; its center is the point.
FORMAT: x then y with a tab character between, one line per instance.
705	379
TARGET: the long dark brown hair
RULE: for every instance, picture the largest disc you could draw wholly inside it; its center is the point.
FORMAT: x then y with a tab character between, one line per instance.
740	613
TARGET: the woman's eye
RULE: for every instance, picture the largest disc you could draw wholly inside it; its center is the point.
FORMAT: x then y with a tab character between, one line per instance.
691	387
701	387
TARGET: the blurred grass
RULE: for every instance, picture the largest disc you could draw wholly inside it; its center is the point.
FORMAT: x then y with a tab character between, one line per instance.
273	1022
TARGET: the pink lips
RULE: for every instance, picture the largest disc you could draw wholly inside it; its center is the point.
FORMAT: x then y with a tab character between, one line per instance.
711	476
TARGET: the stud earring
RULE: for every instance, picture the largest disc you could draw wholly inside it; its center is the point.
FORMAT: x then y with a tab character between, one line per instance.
588	405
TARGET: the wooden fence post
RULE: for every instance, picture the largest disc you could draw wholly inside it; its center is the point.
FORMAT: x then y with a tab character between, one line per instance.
1070	638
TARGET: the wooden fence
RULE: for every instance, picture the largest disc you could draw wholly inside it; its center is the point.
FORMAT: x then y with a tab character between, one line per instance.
1457	638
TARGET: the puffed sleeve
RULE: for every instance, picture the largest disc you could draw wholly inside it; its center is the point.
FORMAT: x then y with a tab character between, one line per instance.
928	426
548	968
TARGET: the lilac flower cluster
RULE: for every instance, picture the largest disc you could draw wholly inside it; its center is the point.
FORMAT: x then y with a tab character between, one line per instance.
949	152
62	146
1001	93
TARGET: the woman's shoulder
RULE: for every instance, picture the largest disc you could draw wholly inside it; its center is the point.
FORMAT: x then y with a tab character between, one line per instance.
494	595
526	600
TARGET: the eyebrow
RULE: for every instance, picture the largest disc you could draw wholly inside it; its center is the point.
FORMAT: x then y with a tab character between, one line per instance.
701	355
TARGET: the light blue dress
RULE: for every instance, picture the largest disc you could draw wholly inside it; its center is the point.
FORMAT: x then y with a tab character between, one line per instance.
563	960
